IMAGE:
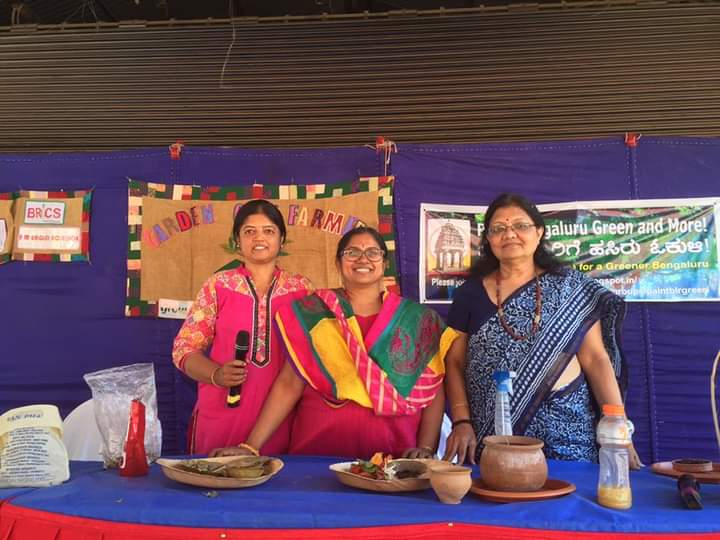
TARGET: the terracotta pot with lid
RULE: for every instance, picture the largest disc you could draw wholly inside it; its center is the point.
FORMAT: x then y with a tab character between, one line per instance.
513	463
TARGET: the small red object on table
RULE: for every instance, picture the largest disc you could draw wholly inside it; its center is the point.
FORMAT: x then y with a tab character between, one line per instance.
134	462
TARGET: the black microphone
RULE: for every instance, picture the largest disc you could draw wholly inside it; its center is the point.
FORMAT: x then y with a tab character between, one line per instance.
241	348
689	491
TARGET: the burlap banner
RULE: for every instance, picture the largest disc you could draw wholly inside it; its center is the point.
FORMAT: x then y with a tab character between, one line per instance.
180	234
52	226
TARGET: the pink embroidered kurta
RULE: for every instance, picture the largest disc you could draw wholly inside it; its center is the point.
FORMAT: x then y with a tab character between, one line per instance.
350	430
226	304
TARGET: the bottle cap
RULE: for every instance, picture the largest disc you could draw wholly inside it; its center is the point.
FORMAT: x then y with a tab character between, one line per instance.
613	410
503	381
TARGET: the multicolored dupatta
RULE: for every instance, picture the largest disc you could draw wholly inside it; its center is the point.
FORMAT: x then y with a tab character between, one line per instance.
396	370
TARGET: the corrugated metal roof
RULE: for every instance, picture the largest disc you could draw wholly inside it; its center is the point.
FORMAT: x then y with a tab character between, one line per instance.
541	72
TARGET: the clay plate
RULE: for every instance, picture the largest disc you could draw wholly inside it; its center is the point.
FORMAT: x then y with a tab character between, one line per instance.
666	469
342	471
169	467
551	489
692	465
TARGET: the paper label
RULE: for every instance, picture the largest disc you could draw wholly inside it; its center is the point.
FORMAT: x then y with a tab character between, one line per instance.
32	457
31	416
44	212
49	238
32	453
173	309
3	234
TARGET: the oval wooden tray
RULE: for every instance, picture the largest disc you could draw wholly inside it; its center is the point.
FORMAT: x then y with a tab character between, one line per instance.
169	468
666	469
342	471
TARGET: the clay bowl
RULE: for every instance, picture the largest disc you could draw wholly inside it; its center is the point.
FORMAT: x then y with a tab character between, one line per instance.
450	482
513	463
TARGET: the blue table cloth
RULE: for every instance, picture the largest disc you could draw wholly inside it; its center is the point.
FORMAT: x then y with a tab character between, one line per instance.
306	495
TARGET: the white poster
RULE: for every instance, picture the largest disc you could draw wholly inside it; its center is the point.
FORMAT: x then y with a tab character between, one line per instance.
654	250
49	238
3	234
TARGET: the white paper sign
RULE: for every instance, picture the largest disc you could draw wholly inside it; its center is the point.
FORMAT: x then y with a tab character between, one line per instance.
3	234
173	309
44	212
49	238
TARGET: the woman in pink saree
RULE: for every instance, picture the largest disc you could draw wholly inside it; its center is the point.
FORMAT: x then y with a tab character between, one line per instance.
244	298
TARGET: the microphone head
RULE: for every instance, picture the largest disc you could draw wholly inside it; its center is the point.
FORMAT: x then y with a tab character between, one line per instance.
242	341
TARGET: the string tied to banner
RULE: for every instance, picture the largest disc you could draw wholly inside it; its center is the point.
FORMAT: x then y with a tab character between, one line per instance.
387	147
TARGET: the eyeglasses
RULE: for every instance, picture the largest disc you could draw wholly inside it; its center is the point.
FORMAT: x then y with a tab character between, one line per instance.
251	232
372	254
501	228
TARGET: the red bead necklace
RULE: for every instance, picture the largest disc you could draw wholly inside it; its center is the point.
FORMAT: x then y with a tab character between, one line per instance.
536	318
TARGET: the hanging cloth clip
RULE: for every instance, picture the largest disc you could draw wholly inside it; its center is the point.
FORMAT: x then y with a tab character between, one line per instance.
176	149
631	139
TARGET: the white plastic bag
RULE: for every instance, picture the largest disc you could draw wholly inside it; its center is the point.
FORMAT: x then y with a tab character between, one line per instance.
32	453
113	390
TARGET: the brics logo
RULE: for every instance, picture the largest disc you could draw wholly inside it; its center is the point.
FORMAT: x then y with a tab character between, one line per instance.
44	212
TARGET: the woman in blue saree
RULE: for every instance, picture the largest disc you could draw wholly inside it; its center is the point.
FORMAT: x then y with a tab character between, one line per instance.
521	310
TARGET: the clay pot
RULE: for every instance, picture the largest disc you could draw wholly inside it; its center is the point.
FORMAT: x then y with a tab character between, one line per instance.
450	482
513	463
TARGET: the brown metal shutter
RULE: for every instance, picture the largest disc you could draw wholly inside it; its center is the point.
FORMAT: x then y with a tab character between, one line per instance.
560	71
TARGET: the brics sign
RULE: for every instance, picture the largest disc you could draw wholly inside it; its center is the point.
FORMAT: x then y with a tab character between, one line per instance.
44	212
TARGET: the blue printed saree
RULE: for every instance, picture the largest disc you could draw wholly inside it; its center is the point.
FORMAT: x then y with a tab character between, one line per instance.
563	418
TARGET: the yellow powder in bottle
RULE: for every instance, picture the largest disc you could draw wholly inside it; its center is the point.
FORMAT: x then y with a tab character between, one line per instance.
619	498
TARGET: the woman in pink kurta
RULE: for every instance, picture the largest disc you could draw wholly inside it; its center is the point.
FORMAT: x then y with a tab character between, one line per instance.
245	298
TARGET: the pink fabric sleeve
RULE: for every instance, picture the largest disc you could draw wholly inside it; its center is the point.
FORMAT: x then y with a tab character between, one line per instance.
198	330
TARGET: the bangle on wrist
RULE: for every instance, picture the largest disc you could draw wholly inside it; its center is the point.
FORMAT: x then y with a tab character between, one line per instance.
456	405
212	377
427	449
252	449
456	423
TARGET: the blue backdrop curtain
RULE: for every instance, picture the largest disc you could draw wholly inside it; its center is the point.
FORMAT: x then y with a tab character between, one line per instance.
669	346
60	320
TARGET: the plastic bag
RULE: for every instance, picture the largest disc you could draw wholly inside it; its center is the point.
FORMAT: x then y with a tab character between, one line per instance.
113	391
32	453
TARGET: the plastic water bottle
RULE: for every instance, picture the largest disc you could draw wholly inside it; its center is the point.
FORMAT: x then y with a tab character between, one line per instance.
614	434
503	391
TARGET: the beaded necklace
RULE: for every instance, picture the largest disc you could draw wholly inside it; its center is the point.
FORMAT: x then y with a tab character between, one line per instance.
536	318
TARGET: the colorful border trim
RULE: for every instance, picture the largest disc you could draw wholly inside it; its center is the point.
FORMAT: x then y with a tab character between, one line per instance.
137	190
8	196
84	255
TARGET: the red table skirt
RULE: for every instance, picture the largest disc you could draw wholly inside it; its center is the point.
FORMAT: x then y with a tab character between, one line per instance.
18	523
